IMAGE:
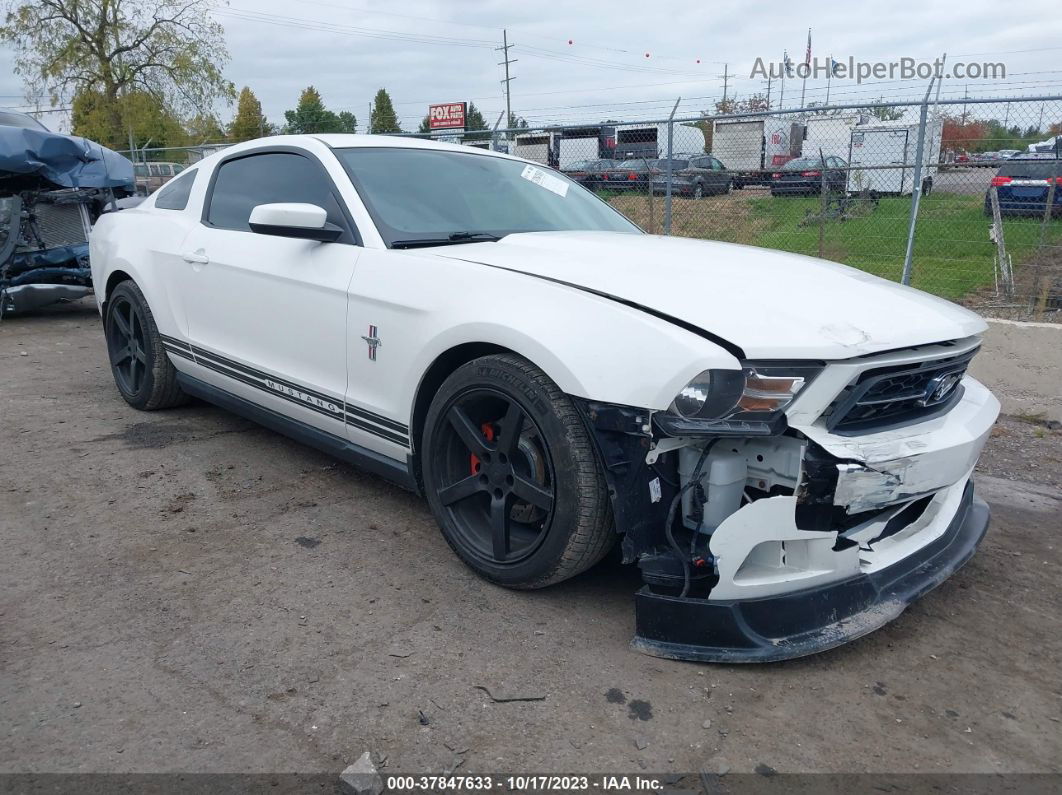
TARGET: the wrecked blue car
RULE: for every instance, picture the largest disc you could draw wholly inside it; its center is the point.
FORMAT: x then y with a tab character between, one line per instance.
52	189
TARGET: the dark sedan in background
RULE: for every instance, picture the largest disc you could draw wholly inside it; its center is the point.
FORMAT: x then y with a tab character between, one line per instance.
1024	184
589	173
698	176
804	176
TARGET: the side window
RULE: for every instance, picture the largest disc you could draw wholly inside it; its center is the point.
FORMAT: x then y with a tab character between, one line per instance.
177	168
155	169
241	185
716	165
174	194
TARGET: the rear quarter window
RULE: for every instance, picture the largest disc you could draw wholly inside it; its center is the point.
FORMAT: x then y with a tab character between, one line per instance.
174	194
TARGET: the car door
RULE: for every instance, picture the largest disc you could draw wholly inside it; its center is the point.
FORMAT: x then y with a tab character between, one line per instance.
267	314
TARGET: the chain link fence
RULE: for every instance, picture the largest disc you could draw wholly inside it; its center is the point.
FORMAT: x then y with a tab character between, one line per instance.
961	199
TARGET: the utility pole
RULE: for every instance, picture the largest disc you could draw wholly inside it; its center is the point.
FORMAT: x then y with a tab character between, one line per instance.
965	96
726	81
768	90
508	100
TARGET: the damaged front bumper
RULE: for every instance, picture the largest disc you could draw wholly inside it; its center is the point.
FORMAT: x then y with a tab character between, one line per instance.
810	620
833	534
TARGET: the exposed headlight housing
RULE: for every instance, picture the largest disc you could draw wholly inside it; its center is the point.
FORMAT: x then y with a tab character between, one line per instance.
750	401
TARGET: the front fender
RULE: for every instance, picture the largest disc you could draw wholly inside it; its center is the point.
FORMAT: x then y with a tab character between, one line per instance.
591	346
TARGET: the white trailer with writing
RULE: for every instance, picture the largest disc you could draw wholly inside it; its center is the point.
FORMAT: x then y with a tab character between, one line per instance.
750	147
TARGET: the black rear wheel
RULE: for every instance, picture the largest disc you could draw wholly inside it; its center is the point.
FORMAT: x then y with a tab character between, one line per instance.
142	370
511	475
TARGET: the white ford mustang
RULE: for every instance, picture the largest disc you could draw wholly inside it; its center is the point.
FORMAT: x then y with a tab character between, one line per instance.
783	445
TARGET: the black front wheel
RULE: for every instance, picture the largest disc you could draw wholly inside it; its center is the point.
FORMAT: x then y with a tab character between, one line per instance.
512	477
142	370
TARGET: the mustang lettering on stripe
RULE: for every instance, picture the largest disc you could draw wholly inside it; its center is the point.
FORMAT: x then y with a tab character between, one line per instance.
295	393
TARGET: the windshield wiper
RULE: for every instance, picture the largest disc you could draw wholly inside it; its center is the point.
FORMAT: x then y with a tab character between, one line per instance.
456	237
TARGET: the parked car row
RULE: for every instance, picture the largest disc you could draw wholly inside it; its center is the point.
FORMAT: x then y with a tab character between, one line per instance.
700	175
990	159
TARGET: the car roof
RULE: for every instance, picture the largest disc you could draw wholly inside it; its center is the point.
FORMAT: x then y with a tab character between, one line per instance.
352	141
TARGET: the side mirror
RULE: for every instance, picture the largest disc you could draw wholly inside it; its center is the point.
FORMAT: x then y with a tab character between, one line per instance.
303	221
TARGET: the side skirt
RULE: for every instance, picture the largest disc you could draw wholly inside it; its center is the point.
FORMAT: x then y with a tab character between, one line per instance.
397	472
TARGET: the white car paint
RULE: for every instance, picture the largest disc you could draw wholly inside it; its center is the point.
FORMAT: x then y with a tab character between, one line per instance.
610	317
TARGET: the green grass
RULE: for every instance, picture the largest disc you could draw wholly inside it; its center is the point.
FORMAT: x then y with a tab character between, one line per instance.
953	254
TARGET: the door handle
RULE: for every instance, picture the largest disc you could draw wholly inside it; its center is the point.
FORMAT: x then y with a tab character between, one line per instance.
197	257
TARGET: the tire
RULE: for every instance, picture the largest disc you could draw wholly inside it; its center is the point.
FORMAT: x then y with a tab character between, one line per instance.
143	373
698	191
927	186
522	509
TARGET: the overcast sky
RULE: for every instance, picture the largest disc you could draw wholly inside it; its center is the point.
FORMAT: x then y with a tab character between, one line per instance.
426	51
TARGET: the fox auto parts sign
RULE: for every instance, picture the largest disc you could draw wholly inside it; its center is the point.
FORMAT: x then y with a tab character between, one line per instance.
447	116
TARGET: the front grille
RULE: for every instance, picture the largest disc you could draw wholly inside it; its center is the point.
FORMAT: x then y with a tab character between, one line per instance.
887	397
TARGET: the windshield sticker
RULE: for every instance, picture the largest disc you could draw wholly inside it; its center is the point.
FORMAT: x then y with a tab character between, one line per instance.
545	180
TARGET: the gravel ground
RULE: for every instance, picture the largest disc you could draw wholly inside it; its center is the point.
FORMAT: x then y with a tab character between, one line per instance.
184	591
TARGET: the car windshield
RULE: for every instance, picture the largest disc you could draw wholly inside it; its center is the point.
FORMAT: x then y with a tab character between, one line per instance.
428	194
635	165
578	165
802	163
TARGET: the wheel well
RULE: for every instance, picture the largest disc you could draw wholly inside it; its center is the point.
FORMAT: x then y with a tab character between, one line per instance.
113	281
439	371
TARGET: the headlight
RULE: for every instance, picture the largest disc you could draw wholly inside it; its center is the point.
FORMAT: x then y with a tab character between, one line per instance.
754	393
712	394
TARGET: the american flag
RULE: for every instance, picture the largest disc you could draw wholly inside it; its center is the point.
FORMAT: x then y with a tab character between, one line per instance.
807	54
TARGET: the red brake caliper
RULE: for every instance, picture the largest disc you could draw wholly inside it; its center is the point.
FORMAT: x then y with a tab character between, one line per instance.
488	432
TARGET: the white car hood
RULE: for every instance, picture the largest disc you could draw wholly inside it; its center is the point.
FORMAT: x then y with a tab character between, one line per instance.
771	304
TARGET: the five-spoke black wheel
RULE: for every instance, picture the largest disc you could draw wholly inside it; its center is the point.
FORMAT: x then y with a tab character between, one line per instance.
512	477
143	373
128	347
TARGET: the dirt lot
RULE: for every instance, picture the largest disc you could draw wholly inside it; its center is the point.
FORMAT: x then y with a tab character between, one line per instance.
184	591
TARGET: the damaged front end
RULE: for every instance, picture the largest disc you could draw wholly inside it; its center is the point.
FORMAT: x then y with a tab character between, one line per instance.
769	535
52	189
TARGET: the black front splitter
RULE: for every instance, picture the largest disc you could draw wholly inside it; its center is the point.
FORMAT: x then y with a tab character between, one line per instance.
809	621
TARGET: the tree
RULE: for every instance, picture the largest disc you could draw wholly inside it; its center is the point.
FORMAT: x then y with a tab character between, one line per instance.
425	125
146	122
884	113
311	116
383	119
517	122
171	50
248	122
756	103
474	121
204	128
348	122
